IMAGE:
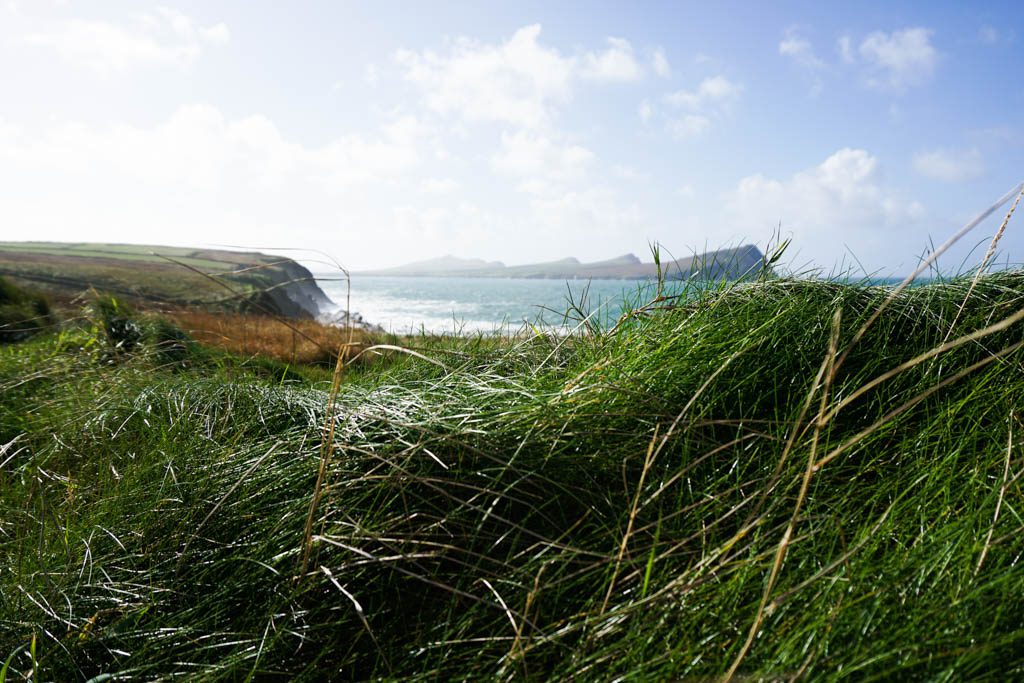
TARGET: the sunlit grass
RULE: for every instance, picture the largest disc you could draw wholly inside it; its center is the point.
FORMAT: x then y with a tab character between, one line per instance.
618	504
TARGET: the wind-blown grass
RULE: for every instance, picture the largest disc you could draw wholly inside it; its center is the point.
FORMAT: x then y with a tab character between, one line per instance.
619	505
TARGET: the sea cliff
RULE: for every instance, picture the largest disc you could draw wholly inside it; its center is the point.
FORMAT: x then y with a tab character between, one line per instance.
171	276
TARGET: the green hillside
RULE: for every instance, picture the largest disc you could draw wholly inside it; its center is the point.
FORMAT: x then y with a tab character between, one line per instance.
163	275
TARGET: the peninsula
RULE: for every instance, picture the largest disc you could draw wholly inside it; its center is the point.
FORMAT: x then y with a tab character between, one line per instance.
735	263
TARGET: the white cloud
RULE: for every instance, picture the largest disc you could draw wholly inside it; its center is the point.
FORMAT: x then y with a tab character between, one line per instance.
202	176
630	173
520	81
660	64
440	185
515	82
105	47
371	74
176	21
842	200
688	126
713	98
899	59
199	148
615	64
800	50
949	166
716	91
166	38
540	165
218	34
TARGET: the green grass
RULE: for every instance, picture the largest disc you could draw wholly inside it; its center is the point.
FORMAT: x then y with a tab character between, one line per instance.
621	505
202	264
147	275
130	252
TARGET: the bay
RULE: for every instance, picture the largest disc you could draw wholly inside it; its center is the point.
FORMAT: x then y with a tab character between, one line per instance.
441	305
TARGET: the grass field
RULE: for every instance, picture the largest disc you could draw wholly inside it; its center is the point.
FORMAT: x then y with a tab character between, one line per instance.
217	261
147	275
781	479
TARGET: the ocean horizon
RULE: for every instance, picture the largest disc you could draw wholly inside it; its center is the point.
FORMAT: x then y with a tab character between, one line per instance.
450	305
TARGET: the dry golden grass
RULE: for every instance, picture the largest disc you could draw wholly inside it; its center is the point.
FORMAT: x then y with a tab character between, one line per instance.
305	341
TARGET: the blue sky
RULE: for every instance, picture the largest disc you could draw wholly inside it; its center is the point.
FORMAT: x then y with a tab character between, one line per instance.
386	132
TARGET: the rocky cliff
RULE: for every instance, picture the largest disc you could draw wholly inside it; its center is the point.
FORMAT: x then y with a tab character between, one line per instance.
289	290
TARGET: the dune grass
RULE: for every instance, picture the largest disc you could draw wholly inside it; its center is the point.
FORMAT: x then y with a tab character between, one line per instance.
740	485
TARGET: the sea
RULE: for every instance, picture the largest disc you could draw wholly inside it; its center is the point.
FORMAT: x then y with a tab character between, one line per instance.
454	305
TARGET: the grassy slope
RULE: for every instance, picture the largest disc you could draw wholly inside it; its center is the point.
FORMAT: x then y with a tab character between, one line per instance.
594	506
210	259
136	271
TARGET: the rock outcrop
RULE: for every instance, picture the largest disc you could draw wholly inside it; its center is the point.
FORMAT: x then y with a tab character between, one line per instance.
290	291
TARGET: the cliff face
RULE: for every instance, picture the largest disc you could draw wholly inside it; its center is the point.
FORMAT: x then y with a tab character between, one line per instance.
293	292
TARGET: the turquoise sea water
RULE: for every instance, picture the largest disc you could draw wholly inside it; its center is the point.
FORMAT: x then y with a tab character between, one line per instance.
452	304
437	305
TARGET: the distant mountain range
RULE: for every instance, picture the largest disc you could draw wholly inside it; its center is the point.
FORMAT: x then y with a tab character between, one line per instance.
735	263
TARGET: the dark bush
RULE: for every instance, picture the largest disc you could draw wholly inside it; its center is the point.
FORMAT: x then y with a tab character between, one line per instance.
122	331
22	313
169	341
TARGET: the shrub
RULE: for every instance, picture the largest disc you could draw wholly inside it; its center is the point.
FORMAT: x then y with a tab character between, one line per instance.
22	313
171	343
122	331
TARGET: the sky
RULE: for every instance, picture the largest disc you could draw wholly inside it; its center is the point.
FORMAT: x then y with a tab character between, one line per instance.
385	132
